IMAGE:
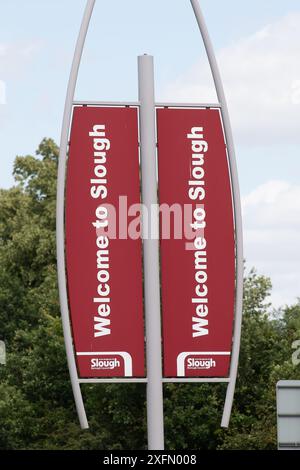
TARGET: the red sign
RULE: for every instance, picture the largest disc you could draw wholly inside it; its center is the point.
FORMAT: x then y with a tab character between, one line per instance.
197	266
104	265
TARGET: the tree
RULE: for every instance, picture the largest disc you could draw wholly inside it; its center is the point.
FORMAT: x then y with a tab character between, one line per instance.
35	383
266	358
36	403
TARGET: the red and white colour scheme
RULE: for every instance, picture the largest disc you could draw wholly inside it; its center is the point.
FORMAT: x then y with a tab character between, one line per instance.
197	268
110	156
104	270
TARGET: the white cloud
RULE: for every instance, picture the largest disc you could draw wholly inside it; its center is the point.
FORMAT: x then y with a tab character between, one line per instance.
16	56
15	60
261	76
2	92
271	215
262	83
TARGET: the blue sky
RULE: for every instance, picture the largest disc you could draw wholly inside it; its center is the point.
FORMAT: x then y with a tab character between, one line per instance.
257	46
40	37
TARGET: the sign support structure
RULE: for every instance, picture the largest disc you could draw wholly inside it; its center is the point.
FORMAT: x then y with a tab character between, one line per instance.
60	215
237	211
151	254
147	127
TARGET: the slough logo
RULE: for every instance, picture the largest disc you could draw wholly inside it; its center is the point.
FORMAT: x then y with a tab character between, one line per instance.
108	360
201	363
198	360
104	364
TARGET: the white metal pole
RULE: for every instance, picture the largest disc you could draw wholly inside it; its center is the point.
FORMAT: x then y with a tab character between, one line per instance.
155	418
237	211
60	212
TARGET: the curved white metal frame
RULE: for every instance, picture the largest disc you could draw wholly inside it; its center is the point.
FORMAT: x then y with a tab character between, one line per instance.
60	212
60	225
237	211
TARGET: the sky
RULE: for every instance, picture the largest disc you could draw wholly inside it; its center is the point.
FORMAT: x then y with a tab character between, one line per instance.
257	45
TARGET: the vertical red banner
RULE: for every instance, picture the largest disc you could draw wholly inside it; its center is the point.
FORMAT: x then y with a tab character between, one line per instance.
197	266
104	264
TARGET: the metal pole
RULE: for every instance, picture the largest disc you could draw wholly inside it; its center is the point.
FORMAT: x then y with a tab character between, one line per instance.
237	211
151	255
60	212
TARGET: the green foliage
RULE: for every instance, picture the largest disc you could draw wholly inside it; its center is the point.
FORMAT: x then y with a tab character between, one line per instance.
36	403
